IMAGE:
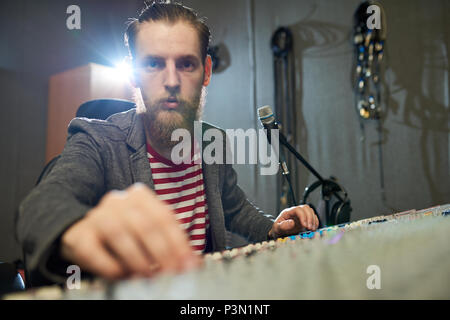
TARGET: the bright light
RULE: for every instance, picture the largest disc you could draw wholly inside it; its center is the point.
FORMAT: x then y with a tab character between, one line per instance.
123	70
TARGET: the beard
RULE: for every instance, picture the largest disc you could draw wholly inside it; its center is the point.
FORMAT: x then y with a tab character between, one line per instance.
160	121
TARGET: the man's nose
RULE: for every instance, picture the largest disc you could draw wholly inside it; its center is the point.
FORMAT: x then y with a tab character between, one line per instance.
172	79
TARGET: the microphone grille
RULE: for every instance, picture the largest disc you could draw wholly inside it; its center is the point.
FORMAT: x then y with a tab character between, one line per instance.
265	115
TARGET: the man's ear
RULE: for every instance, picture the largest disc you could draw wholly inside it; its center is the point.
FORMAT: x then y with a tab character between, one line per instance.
208	70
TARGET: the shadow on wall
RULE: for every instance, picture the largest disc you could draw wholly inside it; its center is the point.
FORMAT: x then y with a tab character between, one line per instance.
420	70
318	39
420	66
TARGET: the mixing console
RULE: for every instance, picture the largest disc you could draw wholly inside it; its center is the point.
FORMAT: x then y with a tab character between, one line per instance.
400	256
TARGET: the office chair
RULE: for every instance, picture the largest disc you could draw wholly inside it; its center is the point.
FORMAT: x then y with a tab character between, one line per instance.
94	109
103	108
10	279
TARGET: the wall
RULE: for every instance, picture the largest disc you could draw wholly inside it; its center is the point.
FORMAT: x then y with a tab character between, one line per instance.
415	140
34	44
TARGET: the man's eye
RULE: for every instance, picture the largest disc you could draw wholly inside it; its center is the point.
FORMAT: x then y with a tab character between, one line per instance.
154	64
186	65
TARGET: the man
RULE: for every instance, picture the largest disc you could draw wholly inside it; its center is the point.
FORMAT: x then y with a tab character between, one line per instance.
164	214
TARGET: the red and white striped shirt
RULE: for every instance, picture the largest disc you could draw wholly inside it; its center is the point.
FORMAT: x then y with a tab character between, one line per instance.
181	186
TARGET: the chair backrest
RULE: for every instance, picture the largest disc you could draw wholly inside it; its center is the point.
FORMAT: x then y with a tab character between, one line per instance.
93	109
10	279
103	108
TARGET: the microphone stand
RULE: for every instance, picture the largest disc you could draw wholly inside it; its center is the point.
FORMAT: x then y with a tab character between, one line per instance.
285	172
285	143
284	168
328	185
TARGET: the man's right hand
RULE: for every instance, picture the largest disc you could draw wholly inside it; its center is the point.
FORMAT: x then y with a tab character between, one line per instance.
129	233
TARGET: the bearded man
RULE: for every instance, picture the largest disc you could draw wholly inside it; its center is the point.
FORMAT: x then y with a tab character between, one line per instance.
115	204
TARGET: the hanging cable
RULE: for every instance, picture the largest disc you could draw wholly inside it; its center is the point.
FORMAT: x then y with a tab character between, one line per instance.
282	46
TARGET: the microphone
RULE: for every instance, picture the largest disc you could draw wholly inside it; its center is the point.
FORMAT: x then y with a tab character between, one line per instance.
267	119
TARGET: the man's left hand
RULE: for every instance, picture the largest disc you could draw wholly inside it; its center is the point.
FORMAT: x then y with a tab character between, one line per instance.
293	221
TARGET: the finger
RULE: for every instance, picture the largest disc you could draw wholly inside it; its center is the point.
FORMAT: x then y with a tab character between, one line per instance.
298	215
301	215
316	219
310	216
168	243
312	219
118	237
104	265
180	247
286	225
150	234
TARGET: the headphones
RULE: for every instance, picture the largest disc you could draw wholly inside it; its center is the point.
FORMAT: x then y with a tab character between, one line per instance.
337	210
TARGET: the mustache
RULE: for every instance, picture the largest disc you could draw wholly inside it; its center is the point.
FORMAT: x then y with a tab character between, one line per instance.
161	101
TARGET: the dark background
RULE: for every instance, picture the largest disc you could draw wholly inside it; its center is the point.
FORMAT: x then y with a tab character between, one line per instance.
35	44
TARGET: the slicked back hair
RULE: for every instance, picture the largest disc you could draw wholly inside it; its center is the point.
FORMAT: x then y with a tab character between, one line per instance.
170	13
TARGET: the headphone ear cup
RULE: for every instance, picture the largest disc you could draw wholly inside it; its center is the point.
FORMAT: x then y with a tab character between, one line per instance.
310	189
340	211
343	214
335	211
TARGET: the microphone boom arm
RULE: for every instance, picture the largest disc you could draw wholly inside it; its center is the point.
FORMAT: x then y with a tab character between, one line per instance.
286	144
